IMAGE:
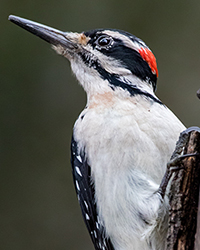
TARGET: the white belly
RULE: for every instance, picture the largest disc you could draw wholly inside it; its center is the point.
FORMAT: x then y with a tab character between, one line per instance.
127	151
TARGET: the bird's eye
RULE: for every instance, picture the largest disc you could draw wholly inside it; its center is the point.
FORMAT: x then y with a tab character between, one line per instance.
104	41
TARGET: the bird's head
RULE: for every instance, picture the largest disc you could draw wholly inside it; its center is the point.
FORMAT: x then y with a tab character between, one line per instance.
102	59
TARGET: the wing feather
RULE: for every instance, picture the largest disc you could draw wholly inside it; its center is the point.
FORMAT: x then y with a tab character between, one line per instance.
85	192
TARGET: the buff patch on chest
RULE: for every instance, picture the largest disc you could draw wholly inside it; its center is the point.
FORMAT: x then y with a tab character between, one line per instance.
105	99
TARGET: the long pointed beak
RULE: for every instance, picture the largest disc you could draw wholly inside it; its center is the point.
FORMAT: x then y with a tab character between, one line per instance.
51	35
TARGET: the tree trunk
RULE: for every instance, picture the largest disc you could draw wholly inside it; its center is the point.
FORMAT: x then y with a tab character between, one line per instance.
184	194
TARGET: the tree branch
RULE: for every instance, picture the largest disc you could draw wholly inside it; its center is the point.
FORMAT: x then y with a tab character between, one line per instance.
184	193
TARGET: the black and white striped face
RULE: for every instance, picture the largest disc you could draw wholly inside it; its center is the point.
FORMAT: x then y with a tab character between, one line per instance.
111	55
114	56
101	58
126	51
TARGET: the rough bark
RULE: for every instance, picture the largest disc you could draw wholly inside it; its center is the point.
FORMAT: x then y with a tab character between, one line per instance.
184	194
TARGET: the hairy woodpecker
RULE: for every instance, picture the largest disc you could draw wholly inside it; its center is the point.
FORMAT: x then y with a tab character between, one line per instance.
123	138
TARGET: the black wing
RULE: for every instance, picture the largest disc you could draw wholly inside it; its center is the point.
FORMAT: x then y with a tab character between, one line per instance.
85	192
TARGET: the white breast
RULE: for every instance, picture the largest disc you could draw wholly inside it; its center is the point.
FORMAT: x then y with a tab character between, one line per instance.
128	144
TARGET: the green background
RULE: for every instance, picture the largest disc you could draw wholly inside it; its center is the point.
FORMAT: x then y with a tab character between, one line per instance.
40	101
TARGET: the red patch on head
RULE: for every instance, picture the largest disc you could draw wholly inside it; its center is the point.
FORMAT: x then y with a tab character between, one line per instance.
149	57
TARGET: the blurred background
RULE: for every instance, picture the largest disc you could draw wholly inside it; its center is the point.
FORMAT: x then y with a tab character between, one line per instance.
40	101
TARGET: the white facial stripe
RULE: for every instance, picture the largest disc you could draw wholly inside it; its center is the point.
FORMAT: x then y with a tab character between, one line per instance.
112	65
127	41
105	61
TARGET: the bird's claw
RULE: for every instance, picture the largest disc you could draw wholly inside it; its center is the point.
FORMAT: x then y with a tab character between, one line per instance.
172	164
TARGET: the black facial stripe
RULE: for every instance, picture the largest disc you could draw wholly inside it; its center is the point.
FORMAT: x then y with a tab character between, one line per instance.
129	57
114	79
132	60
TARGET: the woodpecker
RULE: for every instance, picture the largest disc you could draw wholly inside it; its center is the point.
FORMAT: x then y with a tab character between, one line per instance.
123	138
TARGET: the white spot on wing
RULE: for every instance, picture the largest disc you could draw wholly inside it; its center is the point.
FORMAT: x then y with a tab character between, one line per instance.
87	216
78	171
79	158
95	234
86	204
77	186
